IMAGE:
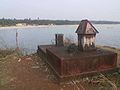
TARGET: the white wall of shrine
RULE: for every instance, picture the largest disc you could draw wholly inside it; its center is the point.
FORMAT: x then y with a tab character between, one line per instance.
85	40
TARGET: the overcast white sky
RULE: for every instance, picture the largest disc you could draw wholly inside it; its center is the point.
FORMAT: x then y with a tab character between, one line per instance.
61	9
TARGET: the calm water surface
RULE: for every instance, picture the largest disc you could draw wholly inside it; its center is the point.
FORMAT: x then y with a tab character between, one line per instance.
30	38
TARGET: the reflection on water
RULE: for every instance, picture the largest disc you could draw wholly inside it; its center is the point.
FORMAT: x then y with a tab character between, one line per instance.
29	38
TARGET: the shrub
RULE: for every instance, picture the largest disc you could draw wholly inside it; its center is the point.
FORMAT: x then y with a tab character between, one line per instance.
72	48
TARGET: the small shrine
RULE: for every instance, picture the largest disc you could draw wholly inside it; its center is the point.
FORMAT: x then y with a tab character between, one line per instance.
86	36
89	60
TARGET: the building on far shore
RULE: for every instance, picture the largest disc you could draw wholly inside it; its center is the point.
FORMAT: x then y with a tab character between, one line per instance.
21	24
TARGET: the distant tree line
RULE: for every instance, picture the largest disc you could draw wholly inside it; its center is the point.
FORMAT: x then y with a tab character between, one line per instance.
13	22
105	22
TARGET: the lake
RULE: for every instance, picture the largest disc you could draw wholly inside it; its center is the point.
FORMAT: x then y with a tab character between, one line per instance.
29	38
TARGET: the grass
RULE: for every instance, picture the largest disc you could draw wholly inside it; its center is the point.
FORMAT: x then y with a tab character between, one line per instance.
6	56
4	53
9	57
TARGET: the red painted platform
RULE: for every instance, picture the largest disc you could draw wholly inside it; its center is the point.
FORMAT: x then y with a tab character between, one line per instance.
70	65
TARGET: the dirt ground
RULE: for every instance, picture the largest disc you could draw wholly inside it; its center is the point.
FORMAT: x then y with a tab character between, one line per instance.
31	73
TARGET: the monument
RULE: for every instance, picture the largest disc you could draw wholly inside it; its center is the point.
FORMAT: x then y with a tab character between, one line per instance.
86	36
88	60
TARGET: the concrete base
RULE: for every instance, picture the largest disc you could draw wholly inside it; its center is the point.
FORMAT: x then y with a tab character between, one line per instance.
67	65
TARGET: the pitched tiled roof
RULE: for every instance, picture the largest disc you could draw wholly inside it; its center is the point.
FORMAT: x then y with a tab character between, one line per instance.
85	27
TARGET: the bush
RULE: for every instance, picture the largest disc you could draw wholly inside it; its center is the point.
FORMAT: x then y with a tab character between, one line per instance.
72	48
68	41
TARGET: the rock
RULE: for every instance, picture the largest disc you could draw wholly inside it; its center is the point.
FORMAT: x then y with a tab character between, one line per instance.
19	60
29	58
35	67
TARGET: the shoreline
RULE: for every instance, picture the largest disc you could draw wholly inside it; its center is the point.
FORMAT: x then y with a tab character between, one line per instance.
30	26
33	26
22	26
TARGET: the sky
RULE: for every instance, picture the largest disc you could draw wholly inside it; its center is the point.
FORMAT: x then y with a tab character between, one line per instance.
61	9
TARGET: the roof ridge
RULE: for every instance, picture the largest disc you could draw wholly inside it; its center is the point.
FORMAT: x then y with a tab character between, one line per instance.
83	26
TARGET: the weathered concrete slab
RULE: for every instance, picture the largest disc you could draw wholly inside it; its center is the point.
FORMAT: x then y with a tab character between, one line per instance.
82	63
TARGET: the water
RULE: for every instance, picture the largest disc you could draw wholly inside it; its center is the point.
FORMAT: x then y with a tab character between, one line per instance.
30	38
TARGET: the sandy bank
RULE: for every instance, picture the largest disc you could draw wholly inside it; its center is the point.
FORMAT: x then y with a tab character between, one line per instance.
22	26
30	26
